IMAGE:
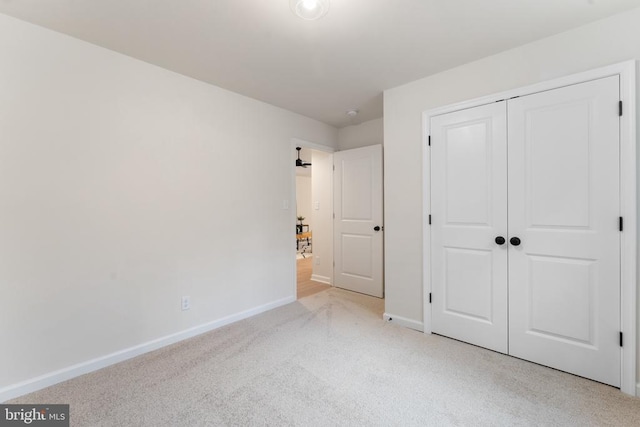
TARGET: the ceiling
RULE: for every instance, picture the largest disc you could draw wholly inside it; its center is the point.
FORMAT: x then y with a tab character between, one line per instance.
320	69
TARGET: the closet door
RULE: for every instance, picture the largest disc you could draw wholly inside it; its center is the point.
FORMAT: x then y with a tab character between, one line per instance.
564	275
468	212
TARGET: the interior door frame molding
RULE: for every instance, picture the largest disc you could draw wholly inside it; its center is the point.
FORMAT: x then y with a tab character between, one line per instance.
297	142
628	195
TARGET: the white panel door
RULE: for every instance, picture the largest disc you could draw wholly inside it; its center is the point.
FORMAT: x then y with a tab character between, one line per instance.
358	228
564	276
468	213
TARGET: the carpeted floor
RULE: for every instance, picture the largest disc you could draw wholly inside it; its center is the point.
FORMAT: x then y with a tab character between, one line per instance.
327	360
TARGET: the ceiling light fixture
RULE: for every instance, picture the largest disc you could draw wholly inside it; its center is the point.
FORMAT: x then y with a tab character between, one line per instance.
309	9
299	162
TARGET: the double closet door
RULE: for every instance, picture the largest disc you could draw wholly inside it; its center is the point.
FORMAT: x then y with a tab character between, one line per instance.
525	237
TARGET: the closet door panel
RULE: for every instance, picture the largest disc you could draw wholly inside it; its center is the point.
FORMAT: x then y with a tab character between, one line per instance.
469	270
563	187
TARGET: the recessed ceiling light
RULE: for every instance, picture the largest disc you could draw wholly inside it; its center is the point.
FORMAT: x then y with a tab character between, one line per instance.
309	4
309	9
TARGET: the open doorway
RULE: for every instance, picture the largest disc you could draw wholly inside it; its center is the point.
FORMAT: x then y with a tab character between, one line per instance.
314	219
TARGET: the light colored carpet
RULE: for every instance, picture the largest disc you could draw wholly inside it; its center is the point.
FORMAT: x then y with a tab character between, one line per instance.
327	360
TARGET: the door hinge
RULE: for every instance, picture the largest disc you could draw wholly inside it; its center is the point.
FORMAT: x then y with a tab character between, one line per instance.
334	168
620	108
429	140
429	219
621	224
334	215
429	297
620	339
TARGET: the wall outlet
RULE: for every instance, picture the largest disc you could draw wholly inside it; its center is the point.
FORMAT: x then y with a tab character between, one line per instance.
317	259
186	303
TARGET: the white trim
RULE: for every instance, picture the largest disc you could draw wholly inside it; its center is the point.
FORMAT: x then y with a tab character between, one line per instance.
426	233
628	197
628	243
51	378
610	70
321	279
403	321
297	142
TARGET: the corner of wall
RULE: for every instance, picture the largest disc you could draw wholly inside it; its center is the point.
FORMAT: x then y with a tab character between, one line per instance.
403	321
361	135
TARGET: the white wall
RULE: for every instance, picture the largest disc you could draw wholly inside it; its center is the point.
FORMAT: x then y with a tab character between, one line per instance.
322	194
601	43
303	199
121	191
361	135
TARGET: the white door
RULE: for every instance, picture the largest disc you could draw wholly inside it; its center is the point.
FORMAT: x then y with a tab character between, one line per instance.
468	213
358	228
564	276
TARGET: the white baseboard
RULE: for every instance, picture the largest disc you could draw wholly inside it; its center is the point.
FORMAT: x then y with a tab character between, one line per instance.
51	378
321	279
403	321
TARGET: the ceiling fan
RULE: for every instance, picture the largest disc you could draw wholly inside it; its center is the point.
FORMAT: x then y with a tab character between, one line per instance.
299	162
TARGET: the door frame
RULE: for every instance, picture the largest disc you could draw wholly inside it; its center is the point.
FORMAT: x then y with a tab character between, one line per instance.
628	195
297	142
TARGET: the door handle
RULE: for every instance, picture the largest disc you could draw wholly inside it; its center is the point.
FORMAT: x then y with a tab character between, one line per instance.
500	240
377	228
515	241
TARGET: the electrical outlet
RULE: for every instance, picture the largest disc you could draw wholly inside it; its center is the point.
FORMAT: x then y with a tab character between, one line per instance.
317	260
186	303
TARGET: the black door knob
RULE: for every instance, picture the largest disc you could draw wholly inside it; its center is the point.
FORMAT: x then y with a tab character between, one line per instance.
515	241
376	228
500	240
